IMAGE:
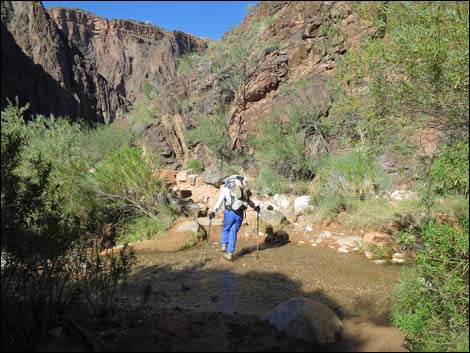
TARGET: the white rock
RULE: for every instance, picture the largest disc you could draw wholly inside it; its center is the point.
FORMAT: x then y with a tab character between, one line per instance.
369	254
281	201
302	203
301	242
308	229
398	261
398	255
343	250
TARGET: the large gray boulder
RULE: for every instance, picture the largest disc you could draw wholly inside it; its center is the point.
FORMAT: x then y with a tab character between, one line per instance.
214	177
273	218
305	319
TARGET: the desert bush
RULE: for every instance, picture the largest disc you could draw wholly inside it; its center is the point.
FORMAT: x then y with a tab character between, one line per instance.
126	182
50	256
345	179
376	211
449	170
212	131
195	165
143	227
432	300
412	73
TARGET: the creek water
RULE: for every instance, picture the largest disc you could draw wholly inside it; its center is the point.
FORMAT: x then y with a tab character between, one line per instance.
349	284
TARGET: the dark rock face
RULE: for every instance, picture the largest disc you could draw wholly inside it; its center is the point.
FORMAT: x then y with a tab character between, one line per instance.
127	53
41	67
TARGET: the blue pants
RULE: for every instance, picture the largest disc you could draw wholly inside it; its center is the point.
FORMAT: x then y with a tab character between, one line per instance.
232	223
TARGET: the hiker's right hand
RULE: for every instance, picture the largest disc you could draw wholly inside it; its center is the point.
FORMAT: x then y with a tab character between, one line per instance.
211	215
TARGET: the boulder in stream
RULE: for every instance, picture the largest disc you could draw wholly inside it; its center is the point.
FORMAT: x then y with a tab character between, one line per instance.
305	319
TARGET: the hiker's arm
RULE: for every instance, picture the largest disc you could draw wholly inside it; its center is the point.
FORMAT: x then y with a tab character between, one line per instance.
220	199
253	205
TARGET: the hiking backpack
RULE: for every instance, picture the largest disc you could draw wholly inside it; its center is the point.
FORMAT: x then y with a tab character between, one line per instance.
238	192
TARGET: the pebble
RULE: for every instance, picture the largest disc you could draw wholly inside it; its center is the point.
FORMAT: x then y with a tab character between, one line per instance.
301	242
343	250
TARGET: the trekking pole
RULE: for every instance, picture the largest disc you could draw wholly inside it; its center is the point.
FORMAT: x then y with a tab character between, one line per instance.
257	234
207	241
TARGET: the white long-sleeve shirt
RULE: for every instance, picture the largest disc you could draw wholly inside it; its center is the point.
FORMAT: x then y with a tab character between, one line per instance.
223	196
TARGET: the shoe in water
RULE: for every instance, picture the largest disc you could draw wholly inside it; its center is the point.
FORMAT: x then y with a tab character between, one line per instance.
228	256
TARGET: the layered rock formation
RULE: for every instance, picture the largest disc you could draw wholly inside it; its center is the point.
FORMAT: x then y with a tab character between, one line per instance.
308	38
129	54
41	67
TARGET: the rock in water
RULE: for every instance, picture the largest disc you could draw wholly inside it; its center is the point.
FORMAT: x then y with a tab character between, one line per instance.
305	319
273	218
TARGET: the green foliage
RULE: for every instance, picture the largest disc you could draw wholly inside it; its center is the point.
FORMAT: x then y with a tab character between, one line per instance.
411	74
293	138
190	242
212	131
57	142
373	212
406	238
189	61
148	89
449	170
97	142
145	227
269	182
342	180
50	261
380	252
124	179
195	165
432	301
281	148
141	115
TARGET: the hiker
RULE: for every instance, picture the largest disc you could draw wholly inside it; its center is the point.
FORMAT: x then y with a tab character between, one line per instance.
236	196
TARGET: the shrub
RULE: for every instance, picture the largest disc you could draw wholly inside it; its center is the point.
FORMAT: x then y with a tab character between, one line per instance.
189	61
49	255
213	133
449	170
125	180
144	227
269	182
281	148
375	211
432	300
195	165
58	142
345	179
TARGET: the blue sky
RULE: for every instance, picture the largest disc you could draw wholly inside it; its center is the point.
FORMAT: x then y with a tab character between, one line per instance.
202	18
